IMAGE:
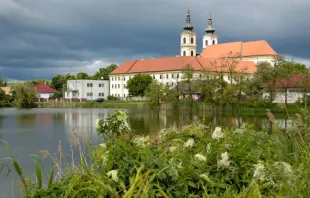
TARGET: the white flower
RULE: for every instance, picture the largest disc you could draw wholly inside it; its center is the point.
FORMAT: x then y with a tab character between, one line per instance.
239	131
103	145
286	167
224	160
113	174
172	148
259	172
142	141
217	134
189	143
208	147
180	165
205	177
97	123
201	157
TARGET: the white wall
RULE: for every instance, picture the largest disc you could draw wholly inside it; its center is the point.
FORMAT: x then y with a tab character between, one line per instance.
45	95
293	95
210	38
257	59
188	47
87	89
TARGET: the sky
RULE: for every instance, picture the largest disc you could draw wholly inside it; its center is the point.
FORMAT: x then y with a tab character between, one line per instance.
43	38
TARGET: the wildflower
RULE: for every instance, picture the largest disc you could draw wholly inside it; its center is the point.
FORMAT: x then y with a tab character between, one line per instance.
180	165
259	172
239	131
189	143
298	119
205	177
97	123
217	134
208	147
224	160
103	145
113	174
142	141
286	167
270	116
172	148
201	157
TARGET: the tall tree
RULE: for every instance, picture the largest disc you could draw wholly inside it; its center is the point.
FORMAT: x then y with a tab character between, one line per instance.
82	76
187	77
24	95
104	72
304	85
138	84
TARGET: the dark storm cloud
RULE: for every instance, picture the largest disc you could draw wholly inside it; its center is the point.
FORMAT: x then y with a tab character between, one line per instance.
42	38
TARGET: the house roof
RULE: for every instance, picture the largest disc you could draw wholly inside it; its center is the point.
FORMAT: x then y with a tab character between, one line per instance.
245	49
178	64
289	82
43	88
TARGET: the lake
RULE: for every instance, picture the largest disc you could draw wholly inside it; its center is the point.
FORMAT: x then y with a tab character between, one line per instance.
31	130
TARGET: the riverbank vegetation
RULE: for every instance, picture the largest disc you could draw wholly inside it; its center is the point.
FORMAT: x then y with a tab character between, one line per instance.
197	161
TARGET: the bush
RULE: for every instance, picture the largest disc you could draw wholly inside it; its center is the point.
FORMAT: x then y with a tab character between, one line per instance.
112	97
197	161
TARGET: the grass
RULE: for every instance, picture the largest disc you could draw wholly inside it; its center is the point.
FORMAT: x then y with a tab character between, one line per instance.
197	161
106	104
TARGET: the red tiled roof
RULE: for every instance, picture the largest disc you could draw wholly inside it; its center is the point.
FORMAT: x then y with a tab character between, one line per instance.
251	48
289	82
43	88
177	64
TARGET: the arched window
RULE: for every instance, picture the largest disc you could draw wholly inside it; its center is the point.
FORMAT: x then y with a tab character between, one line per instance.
184	40
213	42
184	53
192	53
206	42
192	40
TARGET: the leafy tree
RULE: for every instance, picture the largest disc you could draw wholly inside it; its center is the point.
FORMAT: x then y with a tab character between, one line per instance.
58	82
2	97
187	77
138	84
294	67
104	72
82	76
69	77
24	95
2	83
304	85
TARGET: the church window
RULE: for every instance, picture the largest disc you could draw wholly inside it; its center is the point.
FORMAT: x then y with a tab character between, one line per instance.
206	42
213	42
192	53
184	40
184	53
192	40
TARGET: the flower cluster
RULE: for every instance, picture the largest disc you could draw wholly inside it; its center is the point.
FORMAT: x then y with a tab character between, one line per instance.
113	174
142	141
201	157
217	134
189	143
224	161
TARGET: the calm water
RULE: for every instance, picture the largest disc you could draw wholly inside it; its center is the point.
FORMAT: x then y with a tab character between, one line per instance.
29	131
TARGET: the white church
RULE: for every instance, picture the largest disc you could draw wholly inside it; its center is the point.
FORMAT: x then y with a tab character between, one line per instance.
169	69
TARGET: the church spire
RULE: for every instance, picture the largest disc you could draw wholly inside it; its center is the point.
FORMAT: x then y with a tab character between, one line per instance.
188	25
210	29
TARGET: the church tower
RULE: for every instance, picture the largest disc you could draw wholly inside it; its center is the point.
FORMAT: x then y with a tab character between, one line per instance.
188	38
209	38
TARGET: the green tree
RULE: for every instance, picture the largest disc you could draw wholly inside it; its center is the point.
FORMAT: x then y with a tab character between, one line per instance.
304	85
154	94
138	84
104	72
2	97
25	93
187	77
58	82
69	77
82	76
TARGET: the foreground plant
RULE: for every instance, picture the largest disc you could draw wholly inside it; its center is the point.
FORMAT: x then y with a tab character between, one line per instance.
198	161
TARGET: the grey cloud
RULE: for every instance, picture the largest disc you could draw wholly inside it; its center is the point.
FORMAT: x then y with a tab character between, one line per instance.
43	38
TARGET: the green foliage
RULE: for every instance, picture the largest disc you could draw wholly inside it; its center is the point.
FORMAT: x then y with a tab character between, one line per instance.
104	72
25	93
82	76
197	161
138	84
158	92
58	83
110	97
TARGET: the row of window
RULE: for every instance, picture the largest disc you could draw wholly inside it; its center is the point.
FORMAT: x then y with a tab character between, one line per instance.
91	94
117	86
91	85
184	53
184	40
118	78
206	42
117	95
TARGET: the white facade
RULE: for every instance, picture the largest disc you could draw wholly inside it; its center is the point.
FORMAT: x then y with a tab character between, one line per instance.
188	43
45	95
257	59
209	39
293	95
87	89
118	82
